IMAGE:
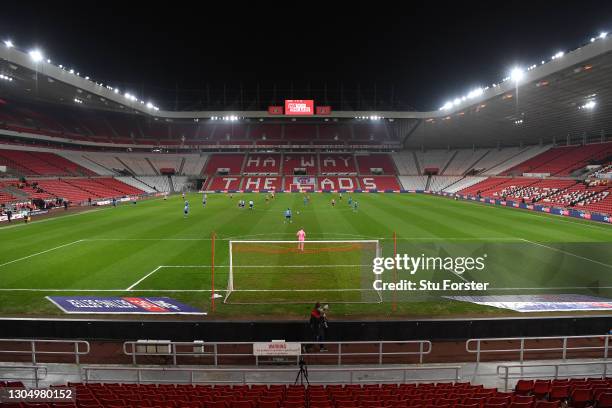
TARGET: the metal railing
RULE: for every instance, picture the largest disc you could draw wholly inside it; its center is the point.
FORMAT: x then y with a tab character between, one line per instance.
508	375
77	348
34	378
561	345
186	375
371	349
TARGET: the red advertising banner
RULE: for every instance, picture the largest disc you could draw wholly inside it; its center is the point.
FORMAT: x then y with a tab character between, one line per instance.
301	107
275	110
323	110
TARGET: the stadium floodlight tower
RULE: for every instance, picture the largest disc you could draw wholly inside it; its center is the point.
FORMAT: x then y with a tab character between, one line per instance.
516	75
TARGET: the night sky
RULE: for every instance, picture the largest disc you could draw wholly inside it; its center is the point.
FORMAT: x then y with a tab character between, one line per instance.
417	56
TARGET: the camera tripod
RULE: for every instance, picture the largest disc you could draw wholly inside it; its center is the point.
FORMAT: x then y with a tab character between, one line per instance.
303	373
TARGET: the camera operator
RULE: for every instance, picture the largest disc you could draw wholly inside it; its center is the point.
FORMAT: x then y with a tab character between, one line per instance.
323	326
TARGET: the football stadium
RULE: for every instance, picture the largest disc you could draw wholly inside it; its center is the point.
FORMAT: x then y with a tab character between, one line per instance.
306	245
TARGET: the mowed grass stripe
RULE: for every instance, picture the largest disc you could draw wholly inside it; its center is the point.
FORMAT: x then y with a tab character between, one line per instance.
117	264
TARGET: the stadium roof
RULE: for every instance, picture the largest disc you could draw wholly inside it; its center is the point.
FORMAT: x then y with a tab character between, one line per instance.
571	94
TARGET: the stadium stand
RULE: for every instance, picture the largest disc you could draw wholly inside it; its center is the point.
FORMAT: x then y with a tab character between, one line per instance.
505	159
39	163
463	183
337	164
413	182
333	183
223	183
538	393
306	161
141	184
375	164
262	164
262	183
370	132
434	159
464	160
179	183
406	164
224	163
440	183
266	132
300	133
380	183
336	132
562	161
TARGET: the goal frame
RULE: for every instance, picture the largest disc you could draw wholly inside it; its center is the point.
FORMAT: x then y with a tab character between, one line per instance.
230	278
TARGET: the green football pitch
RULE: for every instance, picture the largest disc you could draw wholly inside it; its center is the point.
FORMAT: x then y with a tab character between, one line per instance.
152	249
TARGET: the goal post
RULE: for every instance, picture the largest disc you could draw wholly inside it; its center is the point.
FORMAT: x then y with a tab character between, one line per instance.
334	271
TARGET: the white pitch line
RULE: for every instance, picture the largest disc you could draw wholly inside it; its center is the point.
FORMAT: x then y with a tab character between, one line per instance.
60	217
266	266
266	290
144	277
567	253
40	253
556	288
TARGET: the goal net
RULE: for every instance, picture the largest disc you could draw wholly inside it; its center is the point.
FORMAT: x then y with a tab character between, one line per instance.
264	272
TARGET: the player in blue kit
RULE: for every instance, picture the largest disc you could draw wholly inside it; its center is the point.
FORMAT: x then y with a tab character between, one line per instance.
186	209
288	216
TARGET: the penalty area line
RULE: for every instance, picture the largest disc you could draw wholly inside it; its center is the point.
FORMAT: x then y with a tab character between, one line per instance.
143	278
40	253
568	253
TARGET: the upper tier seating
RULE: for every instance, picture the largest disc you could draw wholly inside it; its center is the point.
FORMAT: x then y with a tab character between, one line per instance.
302	133
265	131
339	132
376	131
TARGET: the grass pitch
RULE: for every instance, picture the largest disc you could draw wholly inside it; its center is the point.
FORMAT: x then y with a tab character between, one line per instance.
151	249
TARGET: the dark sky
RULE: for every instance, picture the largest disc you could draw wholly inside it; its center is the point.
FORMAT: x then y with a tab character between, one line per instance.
418	55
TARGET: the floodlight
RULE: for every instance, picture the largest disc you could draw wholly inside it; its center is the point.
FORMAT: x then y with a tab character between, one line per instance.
8	44
517	74
36	55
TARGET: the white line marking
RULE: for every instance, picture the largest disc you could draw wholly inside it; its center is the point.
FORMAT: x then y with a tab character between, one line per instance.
59	217
265	266
40	253
567	253
266	290
144	277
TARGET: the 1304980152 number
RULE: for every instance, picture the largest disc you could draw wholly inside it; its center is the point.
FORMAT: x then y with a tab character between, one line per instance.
20	394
